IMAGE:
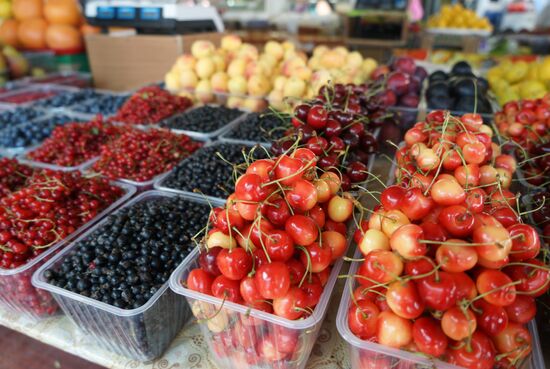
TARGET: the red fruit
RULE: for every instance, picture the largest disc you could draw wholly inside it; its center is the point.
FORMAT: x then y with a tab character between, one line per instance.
292	305
288	170
317	117
234	263
273	280
200	281
302	196
302	229
404	300
250	187
398	82
457	220
249	291
362	319
414	204
391	197
525	242
319	258
277	211
225	288
514	340
479	354
458	324
438	291
429	337
534	277
491	318
279	246
406	241
522	310
504	291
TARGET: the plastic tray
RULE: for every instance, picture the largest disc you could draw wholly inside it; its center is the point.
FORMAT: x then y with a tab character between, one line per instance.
81	167
13	151
259	324
369	354
143	333
16	290
205	135
47	89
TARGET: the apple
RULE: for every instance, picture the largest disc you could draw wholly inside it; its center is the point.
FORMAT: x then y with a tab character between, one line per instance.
205	68
188	79
294	87
237	85
186	61
203	91
237	67
258	86
231	42
202	49
219	82
274	48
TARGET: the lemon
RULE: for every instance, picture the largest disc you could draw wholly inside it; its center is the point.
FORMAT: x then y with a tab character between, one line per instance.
532	89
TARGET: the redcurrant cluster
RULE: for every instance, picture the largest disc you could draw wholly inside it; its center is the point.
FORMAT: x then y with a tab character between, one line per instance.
140	155
13	176
333	127
150	105
50	207
449	269
75	143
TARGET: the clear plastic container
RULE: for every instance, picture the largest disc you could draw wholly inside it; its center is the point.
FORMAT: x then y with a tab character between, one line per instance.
23	158
240	337
205	135
141	334
366	354
32	93
16	291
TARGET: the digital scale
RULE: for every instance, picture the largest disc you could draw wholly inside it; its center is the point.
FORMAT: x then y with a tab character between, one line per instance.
154	17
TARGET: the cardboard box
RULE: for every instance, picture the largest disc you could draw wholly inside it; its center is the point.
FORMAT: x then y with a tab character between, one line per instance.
126	62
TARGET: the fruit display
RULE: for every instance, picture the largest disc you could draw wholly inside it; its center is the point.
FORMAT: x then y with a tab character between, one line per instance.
541	210
150	105
105	104
525	125
68	98
205	119
72	144
512	81
18	116
39	25
221	161
48	208
449	270
400	82
29	95
139	155
333	127
457	16
248	74
26	135
263	127
459	91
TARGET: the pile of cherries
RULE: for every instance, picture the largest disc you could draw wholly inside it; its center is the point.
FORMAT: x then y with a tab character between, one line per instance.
334	128
13	176
449	269
75	143
271	248
526	126
140	155
150	105
50	206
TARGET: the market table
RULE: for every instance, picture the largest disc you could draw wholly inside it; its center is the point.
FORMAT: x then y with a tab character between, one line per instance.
189	350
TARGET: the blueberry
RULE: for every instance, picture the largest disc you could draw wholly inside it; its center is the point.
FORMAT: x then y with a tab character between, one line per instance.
105	104
205	119
18	116
68	98
260	127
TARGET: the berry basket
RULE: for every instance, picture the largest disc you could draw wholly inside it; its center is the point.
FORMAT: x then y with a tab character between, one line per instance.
284	343
16	290
142	333
199	134
366	354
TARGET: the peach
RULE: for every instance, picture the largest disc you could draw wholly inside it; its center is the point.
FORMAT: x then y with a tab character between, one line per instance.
258	85
318	51
279	83
304	73
235	102
205	68
188	79
254	104
186	61
237	67
354	60
248	52
276	100
237	85
219	81
290	65
274	48
294	87
202	49
219	62
203	91
332	59
231	42
172	80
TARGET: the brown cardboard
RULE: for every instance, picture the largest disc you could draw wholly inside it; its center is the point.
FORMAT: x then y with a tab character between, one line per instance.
126	62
